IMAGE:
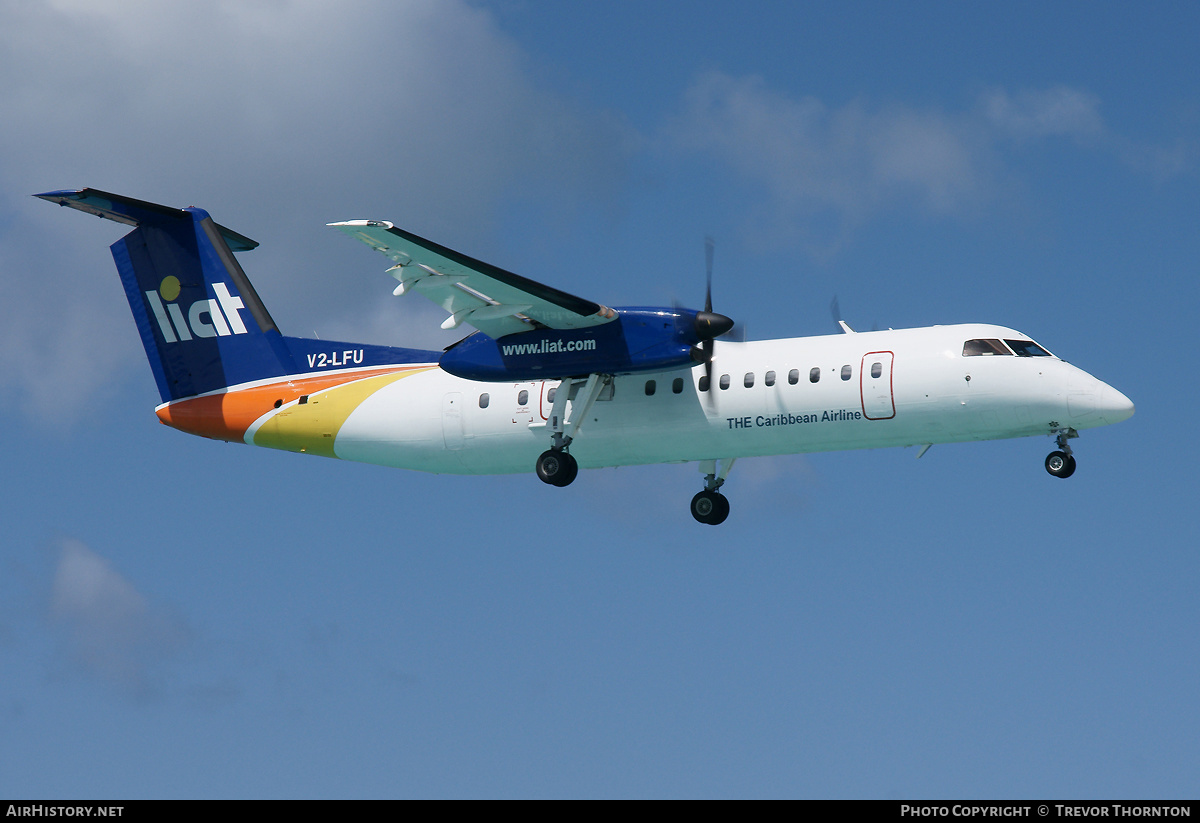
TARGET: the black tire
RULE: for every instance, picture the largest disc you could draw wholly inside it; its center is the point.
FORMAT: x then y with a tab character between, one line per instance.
1070	466
722	510
710	508
556	468
1060	464
572	470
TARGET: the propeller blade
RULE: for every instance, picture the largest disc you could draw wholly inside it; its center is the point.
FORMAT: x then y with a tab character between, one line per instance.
708	324
708	268
708	358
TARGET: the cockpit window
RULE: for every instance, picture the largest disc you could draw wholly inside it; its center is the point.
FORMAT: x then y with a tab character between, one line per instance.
981	348
1027	348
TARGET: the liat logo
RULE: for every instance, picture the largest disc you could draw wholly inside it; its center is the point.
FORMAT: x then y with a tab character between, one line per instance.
205	318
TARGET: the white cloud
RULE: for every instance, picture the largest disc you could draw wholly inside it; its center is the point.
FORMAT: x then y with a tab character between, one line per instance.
112	631
1054	112
848	161
278	116
825	169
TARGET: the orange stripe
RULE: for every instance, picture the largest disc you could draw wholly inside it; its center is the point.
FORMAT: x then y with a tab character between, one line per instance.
226	416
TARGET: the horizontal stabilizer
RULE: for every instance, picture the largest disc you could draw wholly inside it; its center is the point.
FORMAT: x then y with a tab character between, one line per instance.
133	212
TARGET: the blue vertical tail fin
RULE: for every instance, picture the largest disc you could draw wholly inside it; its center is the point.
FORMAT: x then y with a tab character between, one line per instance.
202	324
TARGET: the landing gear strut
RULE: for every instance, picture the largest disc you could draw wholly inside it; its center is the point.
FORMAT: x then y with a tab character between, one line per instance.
555	466
710	506
1061	463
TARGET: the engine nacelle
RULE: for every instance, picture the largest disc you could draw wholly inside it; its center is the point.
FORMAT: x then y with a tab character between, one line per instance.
638	340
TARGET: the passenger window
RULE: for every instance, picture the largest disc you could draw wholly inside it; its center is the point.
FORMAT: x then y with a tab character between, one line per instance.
484	399
703	382
748	381
769	378
677	385
1027	348
814	374
794	376
650	387
876	369
724	382
847	372
523	398
983	348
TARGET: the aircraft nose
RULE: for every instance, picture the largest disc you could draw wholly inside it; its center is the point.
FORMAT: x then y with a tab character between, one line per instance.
1114	406
1092	402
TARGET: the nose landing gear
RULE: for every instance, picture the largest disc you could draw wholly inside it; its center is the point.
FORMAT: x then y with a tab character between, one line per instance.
710	507
1061	463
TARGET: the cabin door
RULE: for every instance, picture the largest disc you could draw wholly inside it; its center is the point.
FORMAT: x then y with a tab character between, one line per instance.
452	420
875	380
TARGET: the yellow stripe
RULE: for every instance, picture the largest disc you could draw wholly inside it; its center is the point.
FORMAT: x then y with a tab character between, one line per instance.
313	426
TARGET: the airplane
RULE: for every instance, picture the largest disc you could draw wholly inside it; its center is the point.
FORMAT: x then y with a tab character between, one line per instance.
554	382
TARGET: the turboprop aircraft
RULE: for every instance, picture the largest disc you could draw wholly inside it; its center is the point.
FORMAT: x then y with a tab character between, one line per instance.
546	372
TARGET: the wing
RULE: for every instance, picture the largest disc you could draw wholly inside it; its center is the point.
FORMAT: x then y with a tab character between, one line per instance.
495	301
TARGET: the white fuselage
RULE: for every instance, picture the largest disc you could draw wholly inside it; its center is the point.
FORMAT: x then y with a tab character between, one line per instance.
873	389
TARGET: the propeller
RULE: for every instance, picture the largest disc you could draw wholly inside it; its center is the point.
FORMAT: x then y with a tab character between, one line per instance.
709	324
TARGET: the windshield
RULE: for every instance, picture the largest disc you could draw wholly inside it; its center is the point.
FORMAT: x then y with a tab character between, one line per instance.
1027	348
983	348
990	347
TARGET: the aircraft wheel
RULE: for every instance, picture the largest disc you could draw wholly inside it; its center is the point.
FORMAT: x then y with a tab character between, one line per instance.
722	509
1060	464
556	468
573	469
710	508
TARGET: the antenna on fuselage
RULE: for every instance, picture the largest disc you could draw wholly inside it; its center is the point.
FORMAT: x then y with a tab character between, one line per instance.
836	311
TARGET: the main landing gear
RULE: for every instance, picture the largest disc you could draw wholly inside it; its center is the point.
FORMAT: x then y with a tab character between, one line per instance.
1061	463
710	507
556	466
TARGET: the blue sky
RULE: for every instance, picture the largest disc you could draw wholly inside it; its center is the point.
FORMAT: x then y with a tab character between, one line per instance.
181	618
